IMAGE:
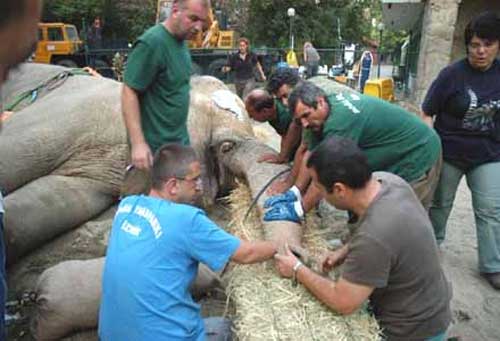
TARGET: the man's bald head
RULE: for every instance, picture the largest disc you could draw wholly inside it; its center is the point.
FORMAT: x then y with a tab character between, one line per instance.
260	105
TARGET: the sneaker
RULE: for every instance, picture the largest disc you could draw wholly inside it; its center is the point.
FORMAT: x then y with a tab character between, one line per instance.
493	278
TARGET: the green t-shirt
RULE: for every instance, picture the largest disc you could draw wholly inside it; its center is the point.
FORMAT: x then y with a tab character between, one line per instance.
159	68
393	139
283	118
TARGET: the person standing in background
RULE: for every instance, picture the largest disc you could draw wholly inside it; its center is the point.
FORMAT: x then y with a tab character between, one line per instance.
155	95
465	101
311	60
242	63
94	35
365	66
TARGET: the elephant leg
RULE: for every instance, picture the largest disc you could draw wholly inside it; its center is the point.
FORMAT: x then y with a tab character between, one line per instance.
47	207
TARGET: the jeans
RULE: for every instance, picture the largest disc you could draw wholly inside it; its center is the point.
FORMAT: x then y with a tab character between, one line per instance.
483	181
217	329
3	281
312	69
244	86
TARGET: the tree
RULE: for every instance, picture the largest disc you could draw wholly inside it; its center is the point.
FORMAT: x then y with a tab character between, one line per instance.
123	20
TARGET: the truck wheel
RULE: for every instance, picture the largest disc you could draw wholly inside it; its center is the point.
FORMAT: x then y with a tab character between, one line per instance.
67	63
215	69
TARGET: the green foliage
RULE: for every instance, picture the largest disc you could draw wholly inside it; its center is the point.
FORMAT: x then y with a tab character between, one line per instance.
123	20
327	24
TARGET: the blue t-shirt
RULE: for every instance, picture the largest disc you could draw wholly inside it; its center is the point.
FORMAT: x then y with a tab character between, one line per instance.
466	103
153	255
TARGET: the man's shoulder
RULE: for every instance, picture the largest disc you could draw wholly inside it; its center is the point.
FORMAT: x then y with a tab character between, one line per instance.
154	34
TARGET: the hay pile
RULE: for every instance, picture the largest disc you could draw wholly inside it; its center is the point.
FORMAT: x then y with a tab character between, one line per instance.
269	307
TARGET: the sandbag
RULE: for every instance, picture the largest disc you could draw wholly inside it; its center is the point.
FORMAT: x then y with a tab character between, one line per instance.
25	229
69	293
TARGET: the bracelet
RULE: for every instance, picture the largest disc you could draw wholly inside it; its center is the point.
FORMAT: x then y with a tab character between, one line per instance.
296	268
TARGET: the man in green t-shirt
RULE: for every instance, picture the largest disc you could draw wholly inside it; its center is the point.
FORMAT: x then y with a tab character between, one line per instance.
393	140
155	96
262	107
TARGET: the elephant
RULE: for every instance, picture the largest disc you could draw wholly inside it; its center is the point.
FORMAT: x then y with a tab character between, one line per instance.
64	151
63	155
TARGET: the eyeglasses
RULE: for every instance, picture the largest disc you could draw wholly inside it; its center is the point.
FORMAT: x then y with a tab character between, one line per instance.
196	180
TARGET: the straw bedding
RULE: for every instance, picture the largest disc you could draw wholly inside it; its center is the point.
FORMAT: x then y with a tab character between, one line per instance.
269	307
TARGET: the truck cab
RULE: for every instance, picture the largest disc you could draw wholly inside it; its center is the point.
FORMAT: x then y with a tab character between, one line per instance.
58	43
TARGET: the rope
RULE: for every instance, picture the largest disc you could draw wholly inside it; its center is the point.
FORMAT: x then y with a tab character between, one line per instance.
50	84
268	183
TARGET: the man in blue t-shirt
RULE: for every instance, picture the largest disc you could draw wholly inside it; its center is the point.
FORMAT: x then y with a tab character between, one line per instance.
156	244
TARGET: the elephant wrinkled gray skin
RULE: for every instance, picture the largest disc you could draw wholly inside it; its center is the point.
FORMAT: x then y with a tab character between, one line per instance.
62	157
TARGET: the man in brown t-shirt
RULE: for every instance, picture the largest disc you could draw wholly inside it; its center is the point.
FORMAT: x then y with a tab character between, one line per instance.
392	258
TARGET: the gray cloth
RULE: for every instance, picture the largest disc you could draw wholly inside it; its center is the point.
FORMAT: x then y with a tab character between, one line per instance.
1	203
311	54
395	252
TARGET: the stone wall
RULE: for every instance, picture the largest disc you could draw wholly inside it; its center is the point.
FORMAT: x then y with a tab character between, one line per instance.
438	29
468	9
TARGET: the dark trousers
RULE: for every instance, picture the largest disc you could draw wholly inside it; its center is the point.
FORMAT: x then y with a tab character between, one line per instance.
3	281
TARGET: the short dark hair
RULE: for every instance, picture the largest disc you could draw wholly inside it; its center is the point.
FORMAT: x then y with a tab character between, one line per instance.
308	94
11	9
259	100
284	75
339	159
172	160
485	25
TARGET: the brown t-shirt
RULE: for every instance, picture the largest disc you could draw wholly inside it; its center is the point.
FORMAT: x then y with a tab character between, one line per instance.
394	250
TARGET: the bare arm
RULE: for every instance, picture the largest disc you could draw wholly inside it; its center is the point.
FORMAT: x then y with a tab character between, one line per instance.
342	296
288	141
303	177
332	259
311	198
281	186
141	153
254	252
259	67
427	119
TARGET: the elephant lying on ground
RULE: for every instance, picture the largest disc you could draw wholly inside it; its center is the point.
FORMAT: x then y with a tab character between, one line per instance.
63	157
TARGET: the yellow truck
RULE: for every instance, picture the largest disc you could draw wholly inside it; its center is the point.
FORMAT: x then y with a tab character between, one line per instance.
58	43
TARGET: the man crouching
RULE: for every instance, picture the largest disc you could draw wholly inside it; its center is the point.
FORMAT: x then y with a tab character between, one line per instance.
392	258
156	244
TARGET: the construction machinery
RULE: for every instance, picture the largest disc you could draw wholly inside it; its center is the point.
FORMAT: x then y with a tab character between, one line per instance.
59	43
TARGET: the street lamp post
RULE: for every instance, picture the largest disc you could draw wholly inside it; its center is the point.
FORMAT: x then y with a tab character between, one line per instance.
291	14
380	28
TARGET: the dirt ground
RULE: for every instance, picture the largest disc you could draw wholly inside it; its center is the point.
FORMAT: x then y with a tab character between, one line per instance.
475	304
